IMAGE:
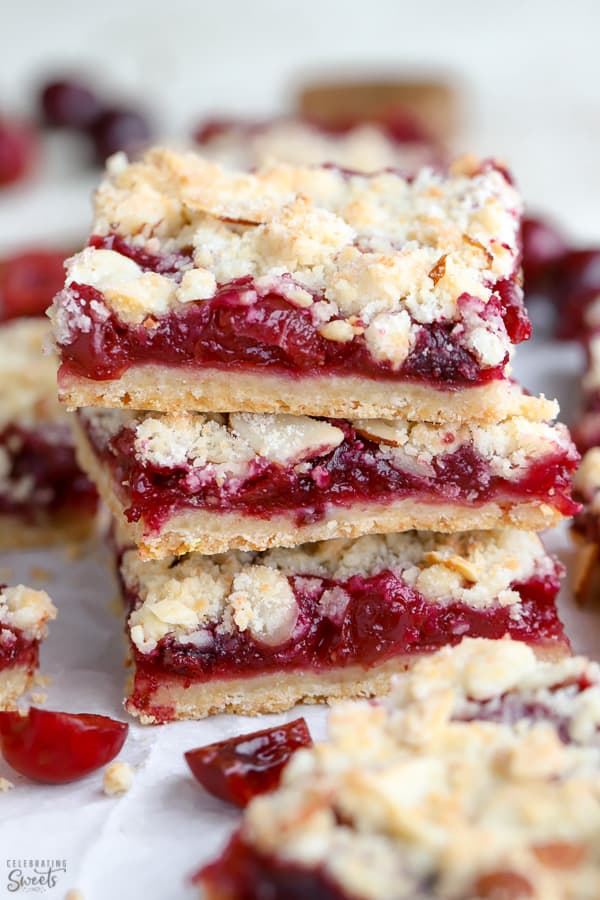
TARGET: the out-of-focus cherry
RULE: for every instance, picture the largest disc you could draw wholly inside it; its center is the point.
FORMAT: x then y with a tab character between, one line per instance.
69	104
55	747
119	129
544	246
18	150
29	281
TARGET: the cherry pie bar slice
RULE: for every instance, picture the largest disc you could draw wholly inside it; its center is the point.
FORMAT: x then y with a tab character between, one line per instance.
44	496
210	483
478	779
586	525
297	290
23	617
361	146
253	633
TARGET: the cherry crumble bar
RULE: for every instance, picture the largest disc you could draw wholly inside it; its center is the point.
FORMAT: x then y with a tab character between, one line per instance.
44	496
23	616
360	146
209	483
478	779
298	290
253	633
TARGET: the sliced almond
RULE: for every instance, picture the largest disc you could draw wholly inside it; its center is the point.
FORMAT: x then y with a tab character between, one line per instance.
439	270
286	439
560	854
382	431
457	563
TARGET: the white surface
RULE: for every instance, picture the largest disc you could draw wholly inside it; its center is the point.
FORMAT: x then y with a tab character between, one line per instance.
143	844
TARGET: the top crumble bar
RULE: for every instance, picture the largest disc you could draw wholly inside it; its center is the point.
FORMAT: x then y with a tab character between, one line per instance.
296	289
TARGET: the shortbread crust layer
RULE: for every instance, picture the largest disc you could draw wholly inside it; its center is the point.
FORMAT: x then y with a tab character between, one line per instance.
478	777
203	628
154	387
211	483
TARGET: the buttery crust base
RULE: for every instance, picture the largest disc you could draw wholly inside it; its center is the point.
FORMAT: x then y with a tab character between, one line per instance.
170	700
208	532
16	534
13	684
172	389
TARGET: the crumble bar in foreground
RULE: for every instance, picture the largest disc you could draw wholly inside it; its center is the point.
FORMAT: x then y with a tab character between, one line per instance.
297	290
23	617
209	483
478	778
255	633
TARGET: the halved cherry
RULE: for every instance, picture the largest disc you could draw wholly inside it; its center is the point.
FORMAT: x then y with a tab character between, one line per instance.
29	281
55	747
238	769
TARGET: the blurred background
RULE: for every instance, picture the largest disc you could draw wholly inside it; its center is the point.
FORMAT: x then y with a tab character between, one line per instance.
526	75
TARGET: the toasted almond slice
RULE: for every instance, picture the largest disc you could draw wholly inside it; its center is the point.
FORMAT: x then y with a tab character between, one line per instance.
383	431
456	563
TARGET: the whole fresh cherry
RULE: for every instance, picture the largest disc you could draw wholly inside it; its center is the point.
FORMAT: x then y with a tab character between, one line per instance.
68	103
119	129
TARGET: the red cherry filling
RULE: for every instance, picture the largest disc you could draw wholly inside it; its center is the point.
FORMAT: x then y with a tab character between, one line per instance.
238	769
576	286
29	281
245	875
268	333
55	747
18	150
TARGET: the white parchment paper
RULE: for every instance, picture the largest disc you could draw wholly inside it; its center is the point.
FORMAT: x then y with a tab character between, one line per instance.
146	843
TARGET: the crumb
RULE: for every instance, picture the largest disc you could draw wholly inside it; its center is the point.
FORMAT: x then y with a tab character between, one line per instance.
39	697
73	551
5	785
118	778
39	573
41	680
74	894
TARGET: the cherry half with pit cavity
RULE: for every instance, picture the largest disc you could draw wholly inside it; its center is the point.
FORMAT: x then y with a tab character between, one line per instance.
55	747
237	769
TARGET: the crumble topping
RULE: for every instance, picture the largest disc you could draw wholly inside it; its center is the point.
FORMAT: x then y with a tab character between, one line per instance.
394	253
227	445
238	590
117	779
398	813
365	148
26	610
28	374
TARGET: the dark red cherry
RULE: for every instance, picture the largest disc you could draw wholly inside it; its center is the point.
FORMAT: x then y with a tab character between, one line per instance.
120	129
238	769
69	104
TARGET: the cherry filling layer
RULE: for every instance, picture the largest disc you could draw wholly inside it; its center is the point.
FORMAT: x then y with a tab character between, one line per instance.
377	618
43	475
17	651
244	874
229	331
356	472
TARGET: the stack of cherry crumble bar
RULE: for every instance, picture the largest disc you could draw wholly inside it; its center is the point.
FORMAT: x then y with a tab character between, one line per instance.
294	395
